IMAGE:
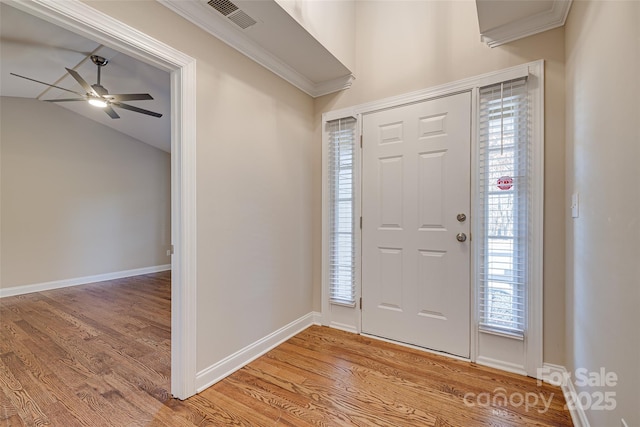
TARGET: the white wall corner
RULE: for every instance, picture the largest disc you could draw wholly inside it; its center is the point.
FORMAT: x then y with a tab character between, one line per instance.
227	366
317	318
528	26
77	281
558	375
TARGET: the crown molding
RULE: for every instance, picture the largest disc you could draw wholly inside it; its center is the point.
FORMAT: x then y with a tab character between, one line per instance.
199	14
528	26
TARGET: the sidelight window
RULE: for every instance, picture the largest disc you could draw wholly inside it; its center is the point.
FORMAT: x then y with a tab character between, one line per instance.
342	137
504	202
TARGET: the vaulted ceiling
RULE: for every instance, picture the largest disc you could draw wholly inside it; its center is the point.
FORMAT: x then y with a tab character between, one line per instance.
40	50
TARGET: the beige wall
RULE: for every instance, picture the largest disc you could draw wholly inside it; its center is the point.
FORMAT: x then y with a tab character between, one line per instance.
254	187
78	198
603	150
406	46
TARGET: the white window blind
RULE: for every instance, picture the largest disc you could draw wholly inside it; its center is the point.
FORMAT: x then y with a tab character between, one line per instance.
342	138
504	190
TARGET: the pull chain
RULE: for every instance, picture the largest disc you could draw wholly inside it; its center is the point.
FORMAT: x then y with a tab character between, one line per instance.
502	118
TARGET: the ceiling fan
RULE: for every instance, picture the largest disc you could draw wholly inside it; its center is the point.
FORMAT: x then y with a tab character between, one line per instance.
97	95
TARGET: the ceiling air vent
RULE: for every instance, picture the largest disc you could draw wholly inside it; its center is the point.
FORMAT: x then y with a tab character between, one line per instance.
225	7
241	19
231	11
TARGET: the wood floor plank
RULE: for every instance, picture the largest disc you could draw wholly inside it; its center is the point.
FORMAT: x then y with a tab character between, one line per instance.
266	402
26	406
389	407
99	355
60	415
458	384
8	410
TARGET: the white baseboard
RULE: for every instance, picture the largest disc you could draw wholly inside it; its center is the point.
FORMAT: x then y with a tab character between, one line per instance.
502	365
555	375
47	286
343	327
552	374
218	371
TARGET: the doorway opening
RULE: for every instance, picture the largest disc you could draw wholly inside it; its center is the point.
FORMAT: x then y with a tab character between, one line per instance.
88	22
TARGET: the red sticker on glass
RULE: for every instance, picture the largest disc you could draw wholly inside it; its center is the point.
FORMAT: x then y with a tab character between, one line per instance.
505	182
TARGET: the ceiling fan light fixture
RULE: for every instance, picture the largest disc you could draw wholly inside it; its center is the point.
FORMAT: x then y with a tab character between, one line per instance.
97	102
97	95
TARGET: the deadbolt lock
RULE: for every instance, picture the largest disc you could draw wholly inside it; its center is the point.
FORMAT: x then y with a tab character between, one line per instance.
461	217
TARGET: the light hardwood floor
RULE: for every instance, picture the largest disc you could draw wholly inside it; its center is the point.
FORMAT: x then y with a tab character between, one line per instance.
99	355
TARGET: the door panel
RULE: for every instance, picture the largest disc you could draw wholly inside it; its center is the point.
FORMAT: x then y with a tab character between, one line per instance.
390	188
416	179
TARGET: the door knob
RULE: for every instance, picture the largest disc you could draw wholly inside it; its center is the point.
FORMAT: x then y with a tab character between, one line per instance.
461	237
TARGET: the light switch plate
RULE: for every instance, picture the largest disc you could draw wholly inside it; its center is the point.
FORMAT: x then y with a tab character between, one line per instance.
575	205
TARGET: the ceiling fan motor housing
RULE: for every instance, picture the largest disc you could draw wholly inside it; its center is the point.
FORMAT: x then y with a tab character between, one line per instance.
99	60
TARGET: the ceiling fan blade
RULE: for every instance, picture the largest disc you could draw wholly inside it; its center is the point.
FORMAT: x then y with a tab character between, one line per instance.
47	84
130	97
111	112
82	82
136	109
65	100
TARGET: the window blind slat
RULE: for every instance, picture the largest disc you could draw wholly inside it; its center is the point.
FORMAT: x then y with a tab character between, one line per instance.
342	135
504	173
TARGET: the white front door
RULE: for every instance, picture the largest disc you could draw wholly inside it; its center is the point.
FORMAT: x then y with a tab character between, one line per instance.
415	183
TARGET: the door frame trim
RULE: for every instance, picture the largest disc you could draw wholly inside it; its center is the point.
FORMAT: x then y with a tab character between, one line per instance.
86	21
341	317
